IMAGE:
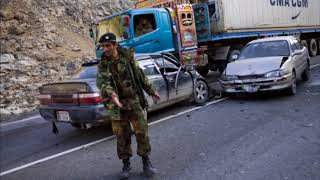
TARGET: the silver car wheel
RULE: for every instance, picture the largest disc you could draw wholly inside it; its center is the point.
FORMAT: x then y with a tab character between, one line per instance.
201	93
292	90
294	83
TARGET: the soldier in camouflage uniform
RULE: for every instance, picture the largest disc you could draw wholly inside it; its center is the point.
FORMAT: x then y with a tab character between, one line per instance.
121	83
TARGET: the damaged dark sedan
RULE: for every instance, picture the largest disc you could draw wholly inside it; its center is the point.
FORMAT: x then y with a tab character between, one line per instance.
267	64
78	101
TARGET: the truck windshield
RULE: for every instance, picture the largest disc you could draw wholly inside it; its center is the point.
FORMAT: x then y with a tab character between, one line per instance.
118	25
265	49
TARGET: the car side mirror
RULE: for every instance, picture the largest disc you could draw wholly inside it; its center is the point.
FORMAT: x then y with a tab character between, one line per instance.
234	57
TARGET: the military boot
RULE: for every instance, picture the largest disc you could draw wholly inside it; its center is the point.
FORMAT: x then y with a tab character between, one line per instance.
125	169
148	169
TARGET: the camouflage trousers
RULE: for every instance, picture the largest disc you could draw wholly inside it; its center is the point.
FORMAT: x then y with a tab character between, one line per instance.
122	131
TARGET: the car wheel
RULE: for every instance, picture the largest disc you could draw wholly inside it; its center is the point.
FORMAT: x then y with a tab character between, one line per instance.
201	93
292	90
306	73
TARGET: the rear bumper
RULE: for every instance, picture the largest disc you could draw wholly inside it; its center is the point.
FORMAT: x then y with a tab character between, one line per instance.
93	114
258	85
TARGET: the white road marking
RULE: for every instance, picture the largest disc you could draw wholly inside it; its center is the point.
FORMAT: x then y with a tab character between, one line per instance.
314	66
184	112
19	121
54	156
100	141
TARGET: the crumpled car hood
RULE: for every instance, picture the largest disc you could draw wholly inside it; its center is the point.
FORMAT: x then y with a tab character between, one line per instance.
254	66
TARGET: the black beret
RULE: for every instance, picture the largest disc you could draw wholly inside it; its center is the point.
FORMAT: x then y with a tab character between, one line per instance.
108	37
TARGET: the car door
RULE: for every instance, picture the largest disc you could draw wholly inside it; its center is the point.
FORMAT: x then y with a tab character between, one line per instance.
158	82
298	59
303	58
184	80
180	84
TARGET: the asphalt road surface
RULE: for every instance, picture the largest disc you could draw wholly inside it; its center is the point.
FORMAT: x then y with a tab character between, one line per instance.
265	136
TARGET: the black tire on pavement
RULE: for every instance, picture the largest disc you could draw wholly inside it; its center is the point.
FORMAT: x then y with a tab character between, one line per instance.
292	90
319	46
313	47
305	76
200	93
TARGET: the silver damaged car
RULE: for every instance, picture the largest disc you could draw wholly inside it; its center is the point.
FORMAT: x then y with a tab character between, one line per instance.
266	65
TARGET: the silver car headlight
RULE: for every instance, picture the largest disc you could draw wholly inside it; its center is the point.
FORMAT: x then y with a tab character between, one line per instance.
276	73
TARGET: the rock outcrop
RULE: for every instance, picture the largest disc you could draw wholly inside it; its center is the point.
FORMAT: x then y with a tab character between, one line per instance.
44	41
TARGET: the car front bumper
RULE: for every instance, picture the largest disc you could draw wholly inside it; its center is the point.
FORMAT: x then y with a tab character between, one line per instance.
93	114
256	85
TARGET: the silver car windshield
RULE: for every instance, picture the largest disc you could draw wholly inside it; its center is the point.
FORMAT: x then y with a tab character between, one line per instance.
265	49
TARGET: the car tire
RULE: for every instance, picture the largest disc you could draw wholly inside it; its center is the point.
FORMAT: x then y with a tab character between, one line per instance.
305	76
292	90
313	47
200	93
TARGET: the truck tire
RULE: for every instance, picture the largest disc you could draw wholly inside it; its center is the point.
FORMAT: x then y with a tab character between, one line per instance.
304	43
319	46
313	47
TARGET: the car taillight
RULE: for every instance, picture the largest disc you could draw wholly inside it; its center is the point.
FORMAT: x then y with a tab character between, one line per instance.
90	98
45	99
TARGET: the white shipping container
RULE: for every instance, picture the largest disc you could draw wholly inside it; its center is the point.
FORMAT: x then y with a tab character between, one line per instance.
263	15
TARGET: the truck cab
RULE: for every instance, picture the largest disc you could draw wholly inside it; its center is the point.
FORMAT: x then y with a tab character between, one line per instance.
156	30
146	30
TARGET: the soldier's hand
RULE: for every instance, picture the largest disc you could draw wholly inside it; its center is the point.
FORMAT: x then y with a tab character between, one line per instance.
156	97
115	99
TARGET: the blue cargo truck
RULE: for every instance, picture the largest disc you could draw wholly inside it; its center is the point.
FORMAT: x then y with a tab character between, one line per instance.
207	33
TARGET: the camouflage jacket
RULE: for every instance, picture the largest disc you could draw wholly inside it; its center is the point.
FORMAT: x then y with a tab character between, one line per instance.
126	79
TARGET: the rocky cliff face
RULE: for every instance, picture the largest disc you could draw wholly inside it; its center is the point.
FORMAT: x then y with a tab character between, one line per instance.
44	41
